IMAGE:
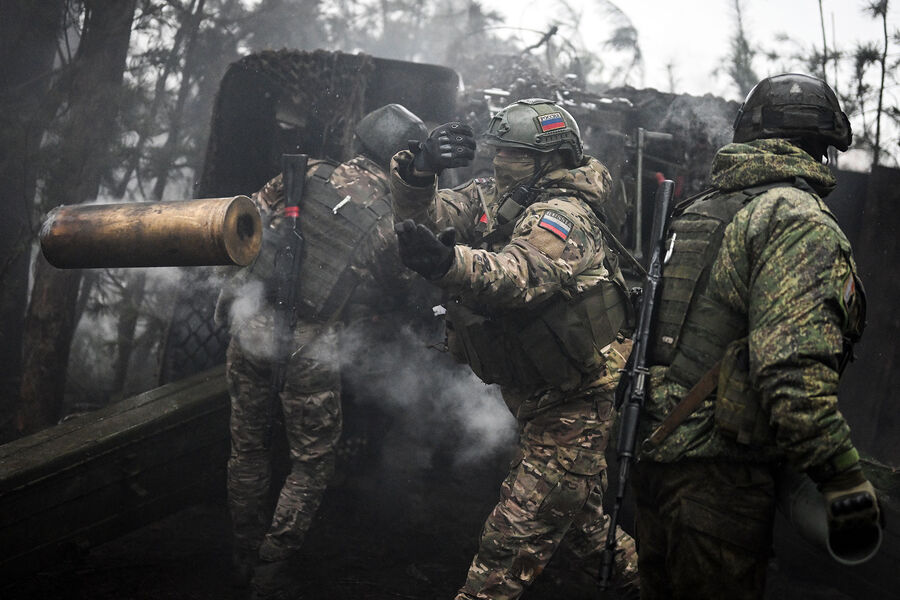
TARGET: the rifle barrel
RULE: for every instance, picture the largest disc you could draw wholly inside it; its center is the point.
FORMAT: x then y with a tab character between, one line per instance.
636	376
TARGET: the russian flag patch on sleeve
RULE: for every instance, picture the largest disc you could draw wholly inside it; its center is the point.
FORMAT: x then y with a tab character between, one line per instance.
556	224
551	122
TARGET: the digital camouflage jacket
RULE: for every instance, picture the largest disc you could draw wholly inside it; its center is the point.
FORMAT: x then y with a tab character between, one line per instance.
786	267
555	247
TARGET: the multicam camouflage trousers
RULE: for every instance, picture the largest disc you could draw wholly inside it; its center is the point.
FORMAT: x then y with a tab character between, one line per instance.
311	406
552	496
704	529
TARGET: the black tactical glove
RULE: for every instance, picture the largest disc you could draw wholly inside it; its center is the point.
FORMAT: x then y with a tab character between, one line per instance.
852	508
449	146
428	255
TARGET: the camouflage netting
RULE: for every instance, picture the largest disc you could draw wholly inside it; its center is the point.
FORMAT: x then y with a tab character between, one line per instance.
516	73
497	80
268	103
291	101
701	124
609	121
325	92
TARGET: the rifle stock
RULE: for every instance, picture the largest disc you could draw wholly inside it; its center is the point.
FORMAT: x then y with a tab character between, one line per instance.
286	273
634	377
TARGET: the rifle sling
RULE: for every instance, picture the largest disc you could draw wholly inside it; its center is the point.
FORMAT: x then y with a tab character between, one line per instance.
621	250
686	407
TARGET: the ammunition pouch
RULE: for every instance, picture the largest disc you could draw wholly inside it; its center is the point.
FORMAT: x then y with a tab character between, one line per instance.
514	204
738	410
276	232
552	345
508	213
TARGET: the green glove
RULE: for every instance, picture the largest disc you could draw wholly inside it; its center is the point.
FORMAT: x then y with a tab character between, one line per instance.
852	507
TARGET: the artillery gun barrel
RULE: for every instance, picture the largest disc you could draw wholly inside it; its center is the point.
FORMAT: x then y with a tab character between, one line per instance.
208	231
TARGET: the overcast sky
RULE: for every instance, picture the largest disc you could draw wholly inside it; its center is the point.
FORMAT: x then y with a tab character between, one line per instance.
694	35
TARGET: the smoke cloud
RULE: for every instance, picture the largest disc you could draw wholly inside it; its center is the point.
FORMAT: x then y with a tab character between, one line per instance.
439	405
434	405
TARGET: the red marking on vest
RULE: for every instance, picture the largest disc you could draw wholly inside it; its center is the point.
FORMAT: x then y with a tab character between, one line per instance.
483	218
292	211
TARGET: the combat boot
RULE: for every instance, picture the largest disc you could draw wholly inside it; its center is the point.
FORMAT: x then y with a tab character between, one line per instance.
242	563
274	580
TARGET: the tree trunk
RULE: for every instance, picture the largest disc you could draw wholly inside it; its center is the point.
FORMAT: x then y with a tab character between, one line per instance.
173	142
28	35
132	298
882	62
90	93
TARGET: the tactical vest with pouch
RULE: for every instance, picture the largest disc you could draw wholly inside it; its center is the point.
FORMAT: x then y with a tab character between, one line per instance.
695	334
554	344
691	330
332	227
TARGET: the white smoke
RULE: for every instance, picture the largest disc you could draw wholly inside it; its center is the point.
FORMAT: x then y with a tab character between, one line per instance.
248	302
440	403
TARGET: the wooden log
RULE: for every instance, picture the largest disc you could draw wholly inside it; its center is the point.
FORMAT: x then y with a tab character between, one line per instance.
106	473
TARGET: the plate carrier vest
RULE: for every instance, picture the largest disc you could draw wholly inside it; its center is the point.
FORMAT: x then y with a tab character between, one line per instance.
330	242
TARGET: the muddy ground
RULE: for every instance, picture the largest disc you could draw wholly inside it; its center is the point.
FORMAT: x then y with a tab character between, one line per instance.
400	521
407	538
410	536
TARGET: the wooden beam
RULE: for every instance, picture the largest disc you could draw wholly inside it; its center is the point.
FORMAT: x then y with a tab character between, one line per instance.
102	474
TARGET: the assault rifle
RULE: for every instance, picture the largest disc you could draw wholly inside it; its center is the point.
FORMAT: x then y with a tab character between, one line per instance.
285	282
634	377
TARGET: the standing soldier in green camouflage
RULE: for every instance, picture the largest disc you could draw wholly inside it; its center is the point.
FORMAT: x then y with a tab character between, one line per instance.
760	300
537	302
350	268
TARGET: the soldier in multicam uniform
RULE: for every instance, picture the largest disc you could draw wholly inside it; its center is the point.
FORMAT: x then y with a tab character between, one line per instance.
537	304
761	298
347	228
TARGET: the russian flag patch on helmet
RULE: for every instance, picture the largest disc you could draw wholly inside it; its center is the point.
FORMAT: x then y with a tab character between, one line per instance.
556	224
551	121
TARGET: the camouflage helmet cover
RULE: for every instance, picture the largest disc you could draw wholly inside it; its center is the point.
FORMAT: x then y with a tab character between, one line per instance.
792	105
387	130
536	124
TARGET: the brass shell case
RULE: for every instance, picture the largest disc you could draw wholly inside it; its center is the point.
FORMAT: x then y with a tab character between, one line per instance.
208	231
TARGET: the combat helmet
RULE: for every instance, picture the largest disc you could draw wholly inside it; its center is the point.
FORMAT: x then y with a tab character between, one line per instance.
793	106
387	130
536	124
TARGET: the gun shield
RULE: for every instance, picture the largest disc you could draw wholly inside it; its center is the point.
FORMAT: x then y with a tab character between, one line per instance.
209	231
